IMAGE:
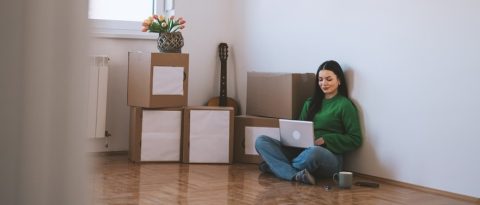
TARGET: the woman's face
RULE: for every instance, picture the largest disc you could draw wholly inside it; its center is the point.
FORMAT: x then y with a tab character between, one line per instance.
328	82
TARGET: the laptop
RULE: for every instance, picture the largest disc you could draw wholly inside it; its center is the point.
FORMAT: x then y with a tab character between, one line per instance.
296	133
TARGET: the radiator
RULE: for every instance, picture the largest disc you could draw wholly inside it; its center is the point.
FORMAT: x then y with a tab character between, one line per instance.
97	105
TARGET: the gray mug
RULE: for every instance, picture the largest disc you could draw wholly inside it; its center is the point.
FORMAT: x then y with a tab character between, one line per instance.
344	179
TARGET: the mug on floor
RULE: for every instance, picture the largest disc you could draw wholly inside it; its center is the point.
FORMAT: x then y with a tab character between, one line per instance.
343	179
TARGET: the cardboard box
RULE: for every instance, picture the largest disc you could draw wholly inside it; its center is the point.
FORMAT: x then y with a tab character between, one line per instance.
155	134
208	135
278	95
157	80
247	129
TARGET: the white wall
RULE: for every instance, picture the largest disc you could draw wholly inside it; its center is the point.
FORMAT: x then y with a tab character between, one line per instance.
208	24
410	64
412	68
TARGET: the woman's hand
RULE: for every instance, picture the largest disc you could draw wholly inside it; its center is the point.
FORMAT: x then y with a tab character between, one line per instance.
319	141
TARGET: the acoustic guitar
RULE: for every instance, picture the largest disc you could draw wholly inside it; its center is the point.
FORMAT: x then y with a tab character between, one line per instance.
223	100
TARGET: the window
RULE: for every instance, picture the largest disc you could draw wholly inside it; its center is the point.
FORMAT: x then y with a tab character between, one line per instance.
122	18
121	10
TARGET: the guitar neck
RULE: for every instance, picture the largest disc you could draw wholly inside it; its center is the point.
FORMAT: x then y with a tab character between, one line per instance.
223	83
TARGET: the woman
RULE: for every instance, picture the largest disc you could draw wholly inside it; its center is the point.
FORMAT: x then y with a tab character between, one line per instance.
337	130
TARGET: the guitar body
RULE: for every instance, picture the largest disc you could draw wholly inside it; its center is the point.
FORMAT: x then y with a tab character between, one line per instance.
230	102
223	100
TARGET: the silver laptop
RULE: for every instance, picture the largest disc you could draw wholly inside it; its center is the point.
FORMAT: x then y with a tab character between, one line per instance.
296	133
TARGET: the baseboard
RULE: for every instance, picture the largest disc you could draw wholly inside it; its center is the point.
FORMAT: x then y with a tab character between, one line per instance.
109	153
421	188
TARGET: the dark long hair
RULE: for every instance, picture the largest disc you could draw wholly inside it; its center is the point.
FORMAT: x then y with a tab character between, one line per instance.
319	95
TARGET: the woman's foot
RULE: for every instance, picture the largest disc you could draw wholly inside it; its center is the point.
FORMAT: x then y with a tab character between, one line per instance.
305	177
264	168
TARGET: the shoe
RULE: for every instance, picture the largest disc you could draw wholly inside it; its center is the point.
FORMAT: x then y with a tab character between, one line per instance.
305	177
264	168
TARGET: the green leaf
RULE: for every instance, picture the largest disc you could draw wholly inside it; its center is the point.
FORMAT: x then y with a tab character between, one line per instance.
170	25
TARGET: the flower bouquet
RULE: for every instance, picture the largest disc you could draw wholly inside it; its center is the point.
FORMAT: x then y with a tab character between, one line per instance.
160	24
170	40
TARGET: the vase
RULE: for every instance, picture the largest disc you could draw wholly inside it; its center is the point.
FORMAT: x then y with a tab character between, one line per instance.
170	42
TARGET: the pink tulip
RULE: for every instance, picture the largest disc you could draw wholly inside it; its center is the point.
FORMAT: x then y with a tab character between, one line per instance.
155	16
144	29
182	22
172	17
182	27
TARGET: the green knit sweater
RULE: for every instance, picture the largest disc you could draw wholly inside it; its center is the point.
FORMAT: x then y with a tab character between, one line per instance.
337	122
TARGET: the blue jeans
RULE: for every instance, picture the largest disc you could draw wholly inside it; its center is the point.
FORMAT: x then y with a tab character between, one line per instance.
285	162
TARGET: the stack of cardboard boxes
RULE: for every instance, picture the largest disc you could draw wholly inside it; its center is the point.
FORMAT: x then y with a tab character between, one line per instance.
162	126
270	96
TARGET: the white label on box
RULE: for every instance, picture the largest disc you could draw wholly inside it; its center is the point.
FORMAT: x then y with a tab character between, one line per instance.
161	133
209	136
160	147
251	134
167	80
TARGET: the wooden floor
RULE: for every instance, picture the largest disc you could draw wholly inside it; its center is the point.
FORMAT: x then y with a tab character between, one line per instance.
118	181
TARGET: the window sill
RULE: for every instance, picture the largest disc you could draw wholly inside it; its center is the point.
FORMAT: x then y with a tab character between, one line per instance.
123	34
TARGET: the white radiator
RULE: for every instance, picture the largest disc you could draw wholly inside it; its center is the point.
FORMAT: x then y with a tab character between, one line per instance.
97	104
